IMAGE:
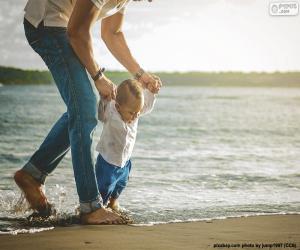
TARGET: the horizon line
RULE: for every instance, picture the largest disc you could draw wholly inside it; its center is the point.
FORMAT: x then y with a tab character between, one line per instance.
177	71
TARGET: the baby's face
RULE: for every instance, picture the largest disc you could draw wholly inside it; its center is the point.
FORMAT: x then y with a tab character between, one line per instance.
131	110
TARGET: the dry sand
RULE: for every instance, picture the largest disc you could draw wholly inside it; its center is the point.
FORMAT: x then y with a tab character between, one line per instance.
271	229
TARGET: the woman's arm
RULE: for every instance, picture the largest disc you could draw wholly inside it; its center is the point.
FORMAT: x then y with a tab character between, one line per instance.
112	35
84	15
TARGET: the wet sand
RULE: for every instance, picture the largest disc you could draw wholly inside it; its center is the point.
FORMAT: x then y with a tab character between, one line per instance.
282	231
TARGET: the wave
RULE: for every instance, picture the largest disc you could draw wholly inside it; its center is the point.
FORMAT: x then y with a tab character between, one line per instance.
15	231
209	220
25	231
224	97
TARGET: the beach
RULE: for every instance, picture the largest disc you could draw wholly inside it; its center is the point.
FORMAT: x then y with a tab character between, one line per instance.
254	232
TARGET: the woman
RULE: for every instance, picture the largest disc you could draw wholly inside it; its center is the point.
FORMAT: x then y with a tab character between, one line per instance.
59	31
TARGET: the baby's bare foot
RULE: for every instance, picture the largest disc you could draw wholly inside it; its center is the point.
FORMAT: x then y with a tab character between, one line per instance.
114	204
101	216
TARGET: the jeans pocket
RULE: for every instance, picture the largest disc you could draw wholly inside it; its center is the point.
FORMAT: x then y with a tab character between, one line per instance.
32	43
43	42
32	34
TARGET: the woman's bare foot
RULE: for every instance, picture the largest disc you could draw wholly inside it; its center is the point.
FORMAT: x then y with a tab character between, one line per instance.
32	190
101	216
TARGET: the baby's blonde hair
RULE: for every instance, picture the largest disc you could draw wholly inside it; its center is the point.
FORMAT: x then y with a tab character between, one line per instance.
127	89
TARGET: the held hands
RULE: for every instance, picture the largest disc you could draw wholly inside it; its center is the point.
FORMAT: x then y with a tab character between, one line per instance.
107	89
151	82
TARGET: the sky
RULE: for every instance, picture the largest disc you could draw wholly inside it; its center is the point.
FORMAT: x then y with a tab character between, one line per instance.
185	35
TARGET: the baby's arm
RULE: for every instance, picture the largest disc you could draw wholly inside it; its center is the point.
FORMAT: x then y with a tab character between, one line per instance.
149	101
103	110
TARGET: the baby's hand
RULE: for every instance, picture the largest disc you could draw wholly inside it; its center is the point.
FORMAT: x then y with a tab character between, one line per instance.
151	82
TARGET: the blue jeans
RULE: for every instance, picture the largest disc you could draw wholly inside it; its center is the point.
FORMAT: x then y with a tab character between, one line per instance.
75	128
111	179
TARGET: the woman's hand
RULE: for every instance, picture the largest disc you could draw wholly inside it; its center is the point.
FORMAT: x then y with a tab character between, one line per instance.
159	84
107	89
151	82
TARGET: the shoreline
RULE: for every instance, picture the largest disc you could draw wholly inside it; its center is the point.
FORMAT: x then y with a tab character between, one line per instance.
251	232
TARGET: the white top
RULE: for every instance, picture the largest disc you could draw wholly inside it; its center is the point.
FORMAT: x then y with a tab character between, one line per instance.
117	137
56	13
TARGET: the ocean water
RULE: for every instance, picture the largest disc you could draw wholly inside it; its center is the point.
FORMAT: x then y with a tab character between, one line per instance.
203	153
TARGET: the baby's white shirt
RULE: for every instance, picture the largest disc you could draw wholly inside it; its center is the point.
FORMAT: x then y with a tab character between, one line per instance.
117	138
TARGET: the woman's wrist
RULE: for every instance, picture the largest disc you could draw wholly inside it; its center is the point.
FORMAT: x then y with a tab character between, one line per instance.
138	74
99	74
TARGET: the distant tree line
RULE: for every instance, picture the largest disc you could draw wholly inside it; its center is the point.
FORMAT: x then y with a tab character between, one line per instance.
275	79
9	75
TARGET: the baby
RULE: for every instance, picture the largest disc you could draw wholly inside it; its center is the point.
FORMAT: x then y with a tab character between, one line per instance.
120	121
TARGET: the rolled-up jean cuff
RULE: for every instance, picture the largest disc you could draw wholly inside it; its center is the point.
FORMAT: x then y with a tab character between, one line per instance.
35	172
115	195
88	207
